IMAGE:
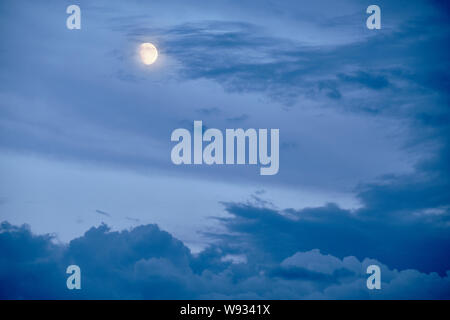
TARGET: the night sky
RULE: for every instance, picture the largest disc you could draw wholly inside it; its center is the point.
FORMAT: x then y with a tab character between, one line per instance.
86	176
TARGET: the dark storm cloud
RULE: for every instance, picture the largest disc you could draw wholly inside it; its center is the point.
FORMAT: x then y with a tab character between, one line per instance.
403	219
147	263
422	241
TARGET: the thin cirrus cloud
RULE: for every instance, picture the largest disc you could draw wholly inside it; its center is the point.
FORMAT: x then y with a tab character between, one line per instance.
103	213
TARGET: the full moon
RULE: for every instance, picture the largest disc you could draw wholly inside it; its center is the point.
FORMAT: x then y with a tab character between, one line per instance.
148	53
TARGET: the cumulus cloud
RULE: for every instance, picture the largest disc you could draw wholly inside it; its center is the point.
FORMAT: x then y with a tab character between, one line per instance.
402	239
148	263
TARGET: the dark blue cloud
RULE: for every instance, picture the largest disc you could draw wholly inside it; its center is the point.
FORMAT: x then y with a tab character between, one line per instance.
25	260
403	220
402	242
147	263
113	264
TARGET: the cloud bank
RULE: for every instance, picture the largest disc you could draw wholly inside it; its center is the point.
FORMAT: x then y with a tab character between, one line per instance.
148	263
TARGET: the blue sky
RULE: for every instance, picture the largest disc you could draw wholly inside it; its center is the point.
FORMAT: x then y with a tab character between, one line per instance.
364	151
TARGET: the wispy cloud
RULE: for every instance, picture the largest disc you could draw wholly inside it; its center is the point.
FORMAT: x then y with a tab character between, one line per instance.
103	213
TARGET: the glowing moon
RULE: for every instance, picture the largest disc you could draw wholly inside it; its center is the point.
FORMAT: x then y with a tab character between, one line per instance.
148	53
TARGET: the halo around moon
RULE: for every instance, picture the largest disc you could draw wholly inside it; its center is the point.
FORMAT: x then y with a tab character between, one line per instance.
148	53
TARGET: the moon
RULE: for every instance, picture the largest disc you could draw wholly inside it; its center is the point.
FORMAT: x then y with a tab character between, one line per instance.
148	53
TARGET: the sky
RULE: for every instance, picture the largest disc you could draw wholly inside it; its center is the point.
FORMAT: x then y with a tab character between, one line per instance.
87	177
